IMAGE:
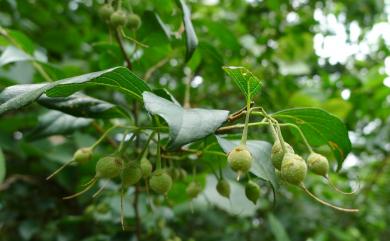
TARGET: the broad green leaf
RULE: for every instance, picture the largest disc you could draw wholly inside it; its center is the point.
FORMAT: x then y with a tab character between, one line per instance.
118	78
77	105
261	152
55	122
245	80
185	125
319	128
191	39
22	99
83	106
277	228
337	107
12	54
2	166
22	40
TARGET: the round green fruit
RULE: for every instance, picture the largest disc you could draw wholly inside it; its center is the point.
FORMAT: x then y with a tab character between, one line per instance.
118	18
183	174
109	167
83	155
318	164
193	189
240	159
105	11
223	188
252	191
277	153
146	167
131	174
160	181
294	169
133	21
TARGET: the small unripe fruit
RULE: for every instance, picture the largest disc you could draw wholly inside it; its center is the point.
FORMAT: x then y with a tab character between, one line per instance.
82	155
131	174
277	153
118	18
183	174
252	191
240	159
318	164
109	167
146	167
193	190
105	11
293	169
160	181
223	188
133	21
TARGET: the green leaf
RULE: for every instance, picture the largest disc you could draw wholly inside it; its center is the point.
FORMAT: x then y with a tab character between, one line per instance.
245	80
118	78
185	125
319	128
277	228
261	152
191	39
55	122
12	54
2	166
83	106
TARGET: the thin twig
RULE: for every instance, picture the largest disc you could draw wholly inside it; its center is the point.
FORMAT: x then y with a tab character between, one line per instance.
136	211
155	67
120	43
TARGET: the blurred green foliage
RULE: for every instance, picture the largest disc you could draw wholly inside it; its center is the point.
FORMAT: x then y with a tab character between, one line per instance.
283	42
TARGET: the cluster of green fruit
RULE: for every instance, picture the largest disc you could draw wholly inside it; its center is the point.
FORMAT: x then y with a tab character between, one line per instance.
130	172
240	161
119	18
292	168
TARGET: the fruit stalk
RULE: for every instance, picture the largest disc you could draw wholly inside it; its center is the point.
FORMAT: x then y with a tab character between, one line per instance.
245	131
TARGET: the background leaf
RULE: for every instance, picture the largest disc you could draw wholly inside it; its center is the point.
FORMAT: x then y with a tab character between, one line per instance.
191	39
119	78
245	80
83	106
261	152
2	166
277	228
185	125
12	54
55	122
319	128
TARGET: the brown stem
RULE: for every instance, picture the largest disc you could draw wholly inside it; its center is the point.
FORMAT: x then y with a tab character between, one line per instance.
119	40
136	211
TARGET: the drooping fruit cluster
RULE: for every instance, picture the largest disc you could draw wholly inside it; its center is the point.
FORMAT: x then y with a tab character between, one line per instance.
318	164
252	191
277	153
146	167
240	159
119	18
81	156
131	174
223	188
109	167
193	189
160	181
293	168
